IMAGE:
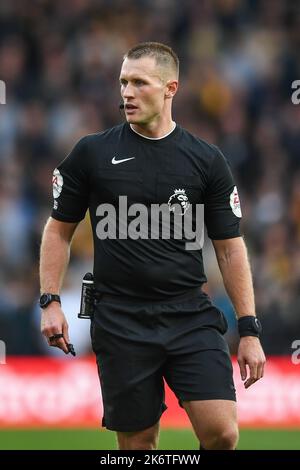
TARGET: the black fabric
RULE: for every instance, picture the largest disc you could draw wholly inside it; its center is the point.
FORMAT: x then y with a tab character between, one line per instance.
249	325
147	268
139	345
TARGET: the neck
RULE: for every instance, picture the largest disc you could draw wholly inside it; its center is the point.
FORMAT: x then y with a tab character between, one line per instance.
154	129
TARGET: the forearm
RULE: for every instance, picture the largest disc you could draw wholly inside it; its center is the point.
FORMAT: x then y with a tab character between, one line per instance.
54	259
237	278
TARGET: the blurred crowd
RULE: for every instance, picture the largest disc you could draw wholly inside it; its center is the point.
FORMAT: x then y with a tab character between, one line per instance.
60	61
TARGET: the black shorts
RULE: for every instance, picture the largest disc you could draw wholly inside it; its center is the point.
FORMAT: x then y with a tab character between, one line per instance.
138	345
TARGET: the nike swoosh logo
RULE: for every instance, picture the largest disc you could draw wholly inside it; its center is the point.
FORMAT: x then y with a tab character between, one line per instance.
115	162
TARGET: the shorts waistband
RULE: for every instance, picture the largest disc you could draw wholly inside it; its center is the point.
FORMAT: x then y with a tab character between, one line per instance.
192	293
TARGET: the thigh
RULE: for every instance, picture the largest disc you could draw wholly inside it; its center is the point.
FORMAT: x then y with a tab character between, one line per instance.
211	417
131	381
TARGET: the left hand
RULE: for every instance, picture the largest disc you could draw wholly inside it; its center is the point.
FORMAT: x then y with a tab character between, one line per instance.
250	353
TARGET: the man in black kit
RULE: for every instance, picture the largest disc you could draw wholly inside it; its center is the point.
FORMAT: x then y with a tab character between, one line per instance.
152	321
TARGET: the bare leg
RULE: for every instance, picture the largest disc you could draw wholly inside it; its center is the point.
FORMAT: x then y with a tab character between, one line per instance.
214	422
140	440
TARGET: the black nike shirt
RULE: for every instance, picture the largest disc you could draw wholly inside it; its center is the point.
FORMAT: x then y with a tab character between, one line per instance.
178	168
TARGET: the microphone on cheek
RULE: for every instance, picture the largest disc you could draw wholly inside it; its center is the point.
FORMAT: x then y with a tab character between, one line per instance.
121	105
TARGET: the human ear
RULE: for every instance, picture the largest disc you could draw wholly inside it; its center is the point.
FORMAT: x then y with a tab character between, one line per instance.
171	88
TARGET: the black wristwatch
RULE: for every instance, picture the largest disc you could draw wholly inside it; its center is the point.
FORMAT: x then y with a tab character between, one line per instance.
46	299
249	326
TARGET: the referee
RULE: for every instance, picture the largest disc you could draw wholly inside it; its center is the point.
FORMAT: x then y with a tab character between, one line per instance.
152	321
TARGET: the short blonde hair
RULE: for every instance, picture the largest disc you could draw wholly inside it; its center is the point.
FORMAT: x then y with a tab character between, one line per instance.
163	54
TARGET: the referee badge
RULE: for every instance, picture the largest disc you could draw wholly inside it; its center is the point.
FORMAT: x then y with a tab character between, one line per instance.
57	182
235	202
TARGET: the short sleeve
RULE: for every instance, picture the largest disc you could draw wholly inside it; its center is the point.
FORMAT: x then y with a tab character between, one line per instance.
70	185
222	210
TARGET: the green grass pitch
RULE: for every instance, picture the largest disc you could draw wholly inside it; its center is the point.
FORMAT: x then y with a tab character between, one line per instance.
170	439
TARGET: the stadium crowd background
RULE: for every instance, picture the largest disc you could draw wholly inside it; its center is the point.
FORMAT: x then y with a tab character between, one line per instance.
60	61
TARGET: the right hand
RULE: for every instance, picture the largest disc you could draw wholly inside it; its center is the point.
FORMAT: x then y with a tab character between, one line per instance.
53	321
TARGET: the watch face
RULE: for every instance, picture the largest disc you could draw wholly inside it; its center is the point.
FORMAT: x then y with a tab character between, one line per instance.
44	299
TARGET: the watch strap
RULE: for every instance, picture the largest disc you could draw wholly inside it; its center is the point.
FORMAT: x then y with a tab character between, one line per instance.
47	298
249	325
